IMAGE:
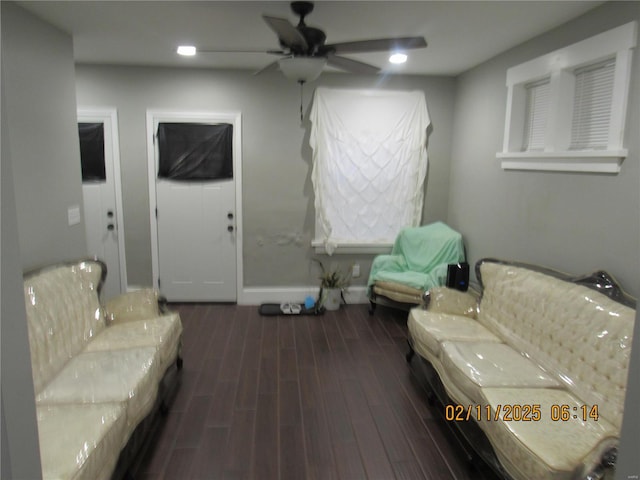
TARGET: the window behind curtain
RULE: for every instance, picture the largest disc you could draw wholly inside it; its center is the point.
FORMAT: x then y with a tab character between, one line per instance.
369	164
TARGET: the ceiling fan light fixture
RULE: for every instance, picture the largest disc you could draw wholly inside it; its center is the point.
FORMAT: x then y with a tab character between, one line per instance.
186	50
398	58
302	69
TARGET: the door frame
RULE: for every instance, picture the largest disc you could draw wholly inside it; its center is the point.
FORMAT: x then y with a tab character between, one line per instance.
234	118
109	117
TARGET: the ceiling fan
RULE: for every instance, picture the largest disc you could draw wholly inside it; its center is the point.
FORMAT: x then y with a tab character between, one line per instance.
304	52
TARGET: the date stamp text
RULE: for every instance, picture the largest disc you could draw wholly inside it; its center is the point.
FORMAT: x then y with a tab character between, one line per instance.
520	413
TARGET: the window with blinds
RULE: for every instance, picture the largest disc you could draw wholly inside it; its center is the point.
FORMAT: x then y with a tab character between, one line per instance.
536	114
566	110
592	106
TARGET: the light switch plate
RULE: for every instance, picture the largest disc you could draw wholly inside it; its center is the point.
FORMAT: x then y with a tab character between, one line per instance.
73	215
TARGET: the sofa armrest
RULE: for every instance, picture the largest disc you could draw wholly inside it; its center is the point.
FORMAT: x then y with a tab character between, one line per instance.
138	305
455	302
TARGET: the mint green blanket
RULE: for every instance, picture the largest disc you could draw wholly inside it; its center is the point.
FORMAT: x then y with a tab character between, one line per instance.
419	257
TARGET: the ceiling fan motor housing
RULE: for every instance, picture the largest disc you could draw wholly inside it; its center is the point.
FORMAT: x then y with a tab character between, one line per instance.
314	36
315	39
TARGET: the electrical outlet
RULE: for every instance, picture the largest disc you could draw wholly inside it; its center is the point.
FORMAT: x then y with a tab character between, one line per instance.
355	270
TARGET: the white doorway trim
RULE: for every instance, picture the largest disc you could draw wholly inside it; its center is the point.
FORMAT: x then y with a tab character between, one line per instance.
234	118
109	116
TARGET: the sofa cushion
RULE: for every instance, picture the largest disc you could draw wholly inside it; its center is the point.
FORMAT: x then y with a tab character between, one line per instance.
473	365
163	333
428	330
128	376
548	448
417	280
449	300
77	441
136	305
398	292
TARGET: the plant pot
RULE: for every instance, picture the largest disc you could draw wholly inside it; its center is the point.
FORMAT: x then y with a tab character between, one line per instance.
333	298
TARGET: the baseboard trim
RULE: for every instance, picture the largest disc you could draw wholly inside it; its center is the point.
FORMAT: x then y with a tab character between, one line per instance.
259	295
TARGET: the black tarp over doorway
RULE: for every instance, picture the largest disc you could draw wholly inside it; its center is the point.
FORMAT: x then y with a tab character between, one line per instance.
92	152
193	151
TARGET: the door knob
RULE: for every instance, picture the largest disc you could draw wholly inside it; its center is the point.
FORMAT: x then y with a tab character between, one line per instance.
110	214
230	215
110	227
230	228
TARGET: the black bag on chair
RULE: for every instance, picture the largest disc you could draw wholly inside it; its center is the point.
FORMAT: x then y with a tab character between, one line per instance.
458	276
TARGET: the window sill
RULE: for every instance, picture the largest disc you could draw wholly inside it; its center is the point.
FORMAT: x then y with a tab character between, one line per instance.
592	161
353	248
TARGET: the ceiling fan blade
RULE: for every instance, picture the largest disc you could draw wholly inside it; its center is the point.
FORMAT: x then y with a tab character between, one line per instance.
288	35
269	68
350	65
377	45
239	50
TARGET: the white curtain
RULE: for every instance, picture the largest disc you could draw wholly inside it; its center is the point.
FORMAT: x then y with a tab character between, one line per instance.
369	164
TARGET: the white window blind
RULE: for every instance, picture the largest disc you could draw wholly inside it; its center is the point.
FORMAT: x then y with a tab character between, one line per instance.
592	106
536	114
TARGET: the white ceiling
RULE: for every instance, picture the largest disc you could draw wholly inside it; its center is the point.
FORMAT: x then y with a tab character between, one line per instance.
460	34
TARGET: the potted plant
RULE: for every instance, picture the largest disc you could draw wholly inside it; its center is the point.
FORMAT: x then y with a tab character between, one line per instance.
332	284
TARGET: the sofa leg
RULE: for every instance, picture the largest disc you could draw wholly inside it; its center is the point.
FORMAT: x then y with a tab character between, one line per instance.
372	307
409	356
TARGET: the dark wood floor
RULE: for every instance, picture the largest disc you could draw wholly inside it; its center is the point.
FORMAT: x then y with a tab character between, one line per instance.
327	397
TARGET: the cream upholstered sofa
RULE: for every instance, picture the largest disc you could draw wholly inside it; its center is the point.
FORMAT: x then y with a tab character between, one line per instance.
539	363
100	373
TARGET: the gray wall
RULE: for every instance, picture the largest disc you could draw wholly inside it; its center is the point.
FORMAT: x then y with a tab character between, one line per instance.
277	193
20	453
20	34
37	62
572	222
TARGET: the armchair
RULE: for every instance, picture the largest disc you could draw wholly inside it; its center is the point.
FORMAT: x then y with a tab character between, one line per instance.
418	262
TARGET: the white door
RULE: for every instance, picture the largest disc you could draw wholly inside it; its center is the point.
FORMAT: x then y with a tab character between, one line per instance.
196	233
101	197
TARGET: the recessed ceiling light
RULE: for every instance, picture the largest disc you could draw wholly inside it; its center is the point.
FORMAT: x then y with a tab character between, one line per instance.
186	50
398	58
